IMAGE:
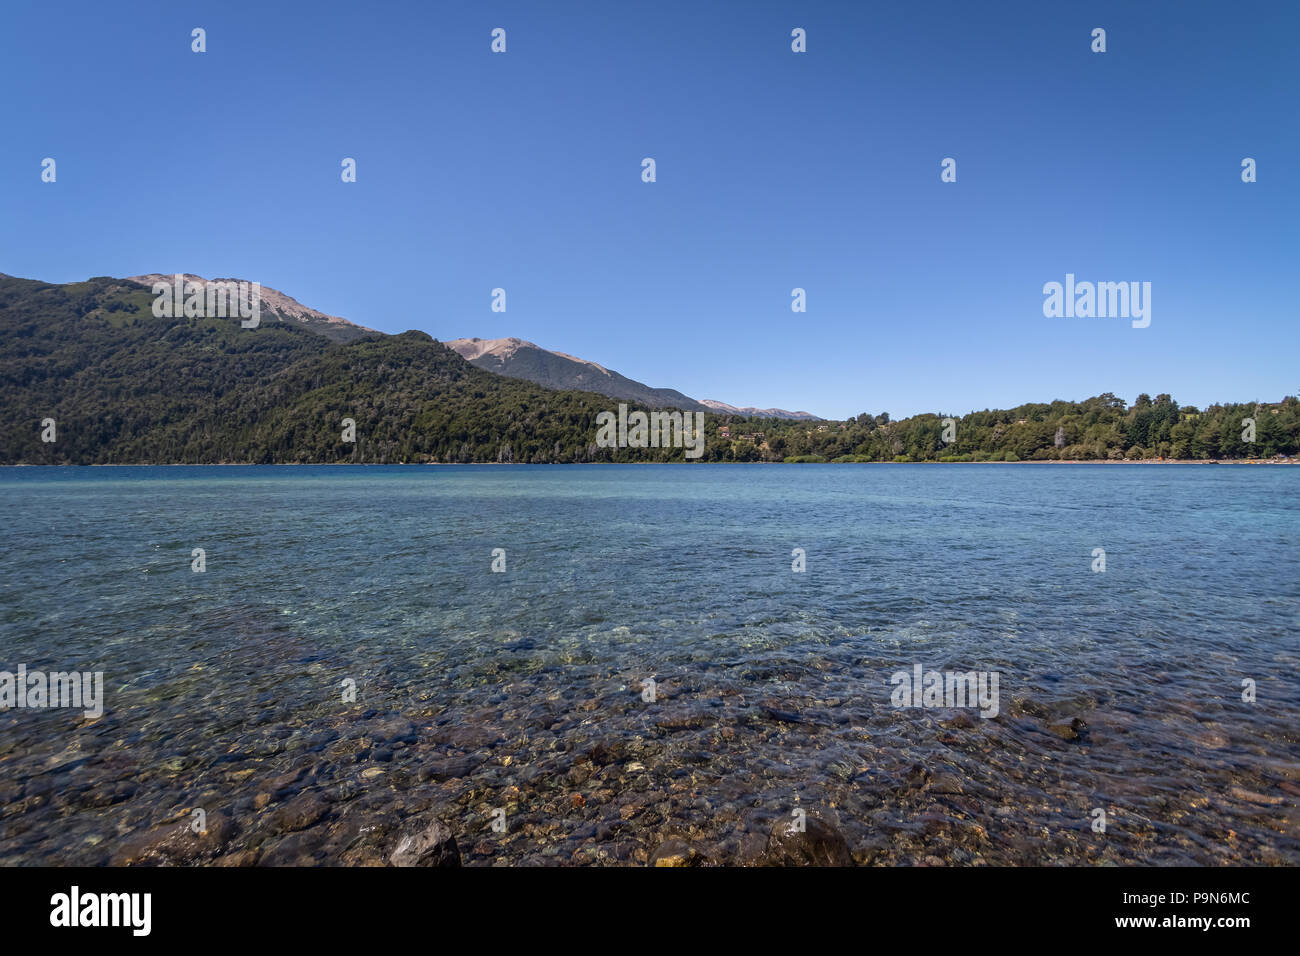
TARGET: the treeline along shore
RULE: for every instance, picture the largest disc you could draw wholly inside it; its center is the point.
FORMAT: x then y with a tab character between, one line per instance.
89	375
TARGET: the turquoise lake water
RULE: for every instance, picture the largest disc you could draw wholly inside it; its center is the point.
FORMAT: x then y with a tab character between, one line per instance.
525	690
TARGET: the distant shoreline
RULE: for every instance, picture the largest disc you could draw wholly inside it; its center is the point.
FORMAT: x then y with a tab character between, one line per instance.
495	464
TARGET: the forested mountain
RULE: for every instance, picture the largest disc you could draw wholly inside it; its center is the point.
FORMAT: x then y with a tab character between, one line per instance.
124	386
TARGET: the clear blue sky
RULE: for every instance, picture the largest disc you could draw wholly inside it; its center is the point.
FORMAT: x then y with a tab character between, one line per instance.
775	170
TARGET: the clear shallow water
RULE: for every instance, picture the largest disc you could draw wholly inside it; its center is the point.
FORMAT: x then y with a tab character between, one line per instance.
521	691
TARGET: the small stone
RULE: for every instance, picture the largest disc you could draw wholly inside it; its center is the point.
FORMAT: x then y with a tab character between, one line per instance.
959	721
817	843
682	721
1251	796
238	858
301	812
676	853
780	714
447	768
752	848
392	731
945	783
432	846
176	843
1031	707
1068	731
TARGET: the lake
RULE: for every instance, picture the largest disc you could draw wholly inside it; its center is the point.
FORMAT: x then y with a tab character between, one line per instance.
648	666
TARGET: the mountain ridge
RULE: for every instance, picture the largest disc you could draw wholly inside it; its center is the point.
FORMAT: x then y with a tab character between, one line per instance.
511	356
749	411
281	306
517	358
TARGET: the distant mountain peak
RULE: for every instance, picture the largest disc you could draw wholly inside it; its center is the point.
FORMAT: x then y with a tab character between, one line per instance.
505	349
282	306
519	358
751	412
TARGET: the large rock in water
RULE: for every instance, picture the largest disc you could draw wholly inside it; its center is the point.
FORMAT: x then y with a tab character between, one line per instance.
816	844
432	846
